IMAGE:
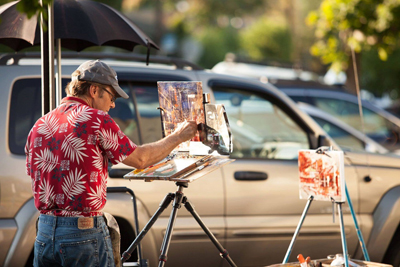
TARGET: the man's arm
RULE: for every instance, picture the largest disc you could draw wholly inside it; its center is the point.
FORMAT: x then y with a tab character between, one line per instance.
148	154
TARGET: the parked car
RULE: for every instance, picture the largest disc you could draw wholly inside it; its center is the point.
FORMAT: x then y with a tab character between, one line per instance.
348	138
251	205
307	87
271	73
378	124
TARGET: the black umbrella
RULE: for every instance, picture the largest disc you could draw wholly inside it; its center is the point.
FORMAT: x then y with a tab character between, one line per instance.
78	23
16	30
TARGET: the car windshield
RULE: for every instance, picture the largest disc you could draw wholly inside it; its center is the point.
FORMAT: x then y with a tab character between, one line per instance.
260	128
375	126
344	139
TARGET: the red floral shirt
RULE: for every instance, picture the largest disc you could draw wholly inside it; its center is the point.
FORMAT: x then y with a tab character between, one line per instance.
67	155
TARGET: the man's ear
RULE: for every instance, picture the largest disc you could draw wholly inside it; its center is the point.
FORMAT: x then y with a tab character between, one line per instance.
93	89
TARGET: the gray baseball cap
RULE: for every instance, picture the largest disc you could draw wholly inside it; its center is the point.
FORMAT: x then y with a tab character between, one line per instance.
99	72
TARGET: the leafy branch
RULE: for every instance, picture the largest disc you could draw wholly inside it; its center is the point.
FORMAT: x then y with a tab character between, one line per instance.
359	24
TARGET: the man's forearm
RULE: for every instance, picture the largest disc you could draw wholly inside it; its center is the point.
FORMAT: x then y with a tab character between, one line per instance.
148	154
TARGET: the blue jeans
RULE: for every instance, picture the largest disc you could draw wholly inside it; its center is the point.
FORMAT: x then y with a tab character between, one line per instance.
59	242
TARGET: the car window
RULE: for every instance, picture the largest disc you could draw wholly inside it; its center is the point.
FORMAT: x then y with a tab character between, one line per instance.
303	99
375	126
345	140
260	128
25	110
143	95
124	114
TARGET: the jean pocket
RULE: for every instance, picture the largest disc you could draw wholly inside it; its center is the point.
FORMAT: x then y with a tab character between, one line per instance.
80	253
38	252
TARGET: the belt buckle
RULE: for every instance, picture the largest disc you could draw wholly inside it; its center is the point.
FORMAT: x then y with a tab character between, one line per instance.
85	223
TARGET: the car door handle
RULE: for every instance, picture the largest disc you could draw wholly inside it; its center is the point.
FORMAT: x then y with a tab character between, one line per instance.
250	176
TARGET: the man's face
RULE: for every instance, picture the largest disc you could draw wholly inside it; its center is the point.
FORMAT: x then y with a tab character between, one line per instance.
104	98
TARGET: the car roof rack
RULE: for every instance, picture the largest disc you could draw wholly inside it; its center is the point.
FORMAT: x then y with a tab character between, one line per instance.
14	58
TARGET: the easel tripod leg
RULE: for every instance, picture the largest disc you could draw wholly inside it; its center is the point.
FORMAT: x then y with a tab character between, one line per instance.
167	238
163	205
344	244
223	252
296	233
359	234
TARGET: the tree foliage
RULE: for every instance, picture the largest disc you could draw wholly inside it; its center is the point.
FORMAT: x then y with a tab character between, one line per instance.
216	43
36	7
33	7
380	76
206	12
211	23
267	39
359	24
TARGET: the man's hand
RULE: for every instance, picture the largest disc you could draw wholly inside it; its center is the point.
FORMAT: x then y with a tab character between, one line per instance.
186	130
149	154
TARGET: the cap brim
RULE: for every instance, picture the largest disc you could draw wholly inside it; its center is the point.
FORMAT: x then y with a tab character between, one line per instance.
120	92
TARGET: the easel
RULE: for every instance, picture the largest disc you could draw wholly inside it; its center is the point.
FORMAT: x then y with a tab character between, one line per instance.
181	179
179	198
342	232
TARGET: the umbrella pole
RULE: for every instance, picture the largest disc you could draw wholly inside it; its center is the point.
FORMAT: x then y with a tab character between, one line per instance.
58	73
44	46
51	55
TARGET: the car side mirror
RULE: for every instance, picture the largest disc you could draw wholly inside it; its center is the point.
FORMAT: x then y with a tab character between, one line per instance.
323	141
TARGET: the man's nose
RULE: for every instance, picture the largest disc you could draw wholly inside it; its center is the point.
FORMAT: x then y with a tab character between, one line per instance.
112	104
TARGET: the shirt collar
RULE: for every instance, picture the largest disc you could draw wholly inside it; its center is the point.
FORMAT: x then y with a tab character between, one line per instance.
73	98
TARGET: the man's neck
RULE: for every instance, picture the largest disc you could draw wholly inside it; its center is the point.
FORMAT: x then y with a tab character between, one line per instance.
82	98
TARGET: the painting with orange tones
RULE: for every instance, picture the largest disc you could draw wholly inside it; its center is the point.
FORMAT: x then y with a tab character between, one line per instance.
322	175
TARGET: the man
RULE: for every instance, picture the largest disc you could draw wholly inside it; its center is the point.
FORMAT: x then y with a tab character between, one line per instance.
67	157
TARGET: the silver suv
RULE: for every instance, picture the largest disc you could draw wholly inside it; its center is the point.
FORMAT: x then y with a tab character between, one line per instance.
251	205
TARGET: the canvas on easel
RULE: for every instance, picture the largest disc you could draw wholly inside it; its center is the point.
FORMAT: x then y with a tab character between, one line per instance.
183	101
179	102
208	150
322	175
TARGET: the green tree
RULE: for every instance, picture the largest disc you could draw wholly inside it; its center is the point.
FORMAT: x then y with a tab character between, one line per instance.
380	76
35	7
210	22
267	39
216	43
207	12
362	25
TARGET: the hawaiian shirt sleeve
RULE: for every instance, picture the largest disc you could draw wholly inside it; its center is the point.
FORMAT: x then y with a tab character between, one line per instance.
114	142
